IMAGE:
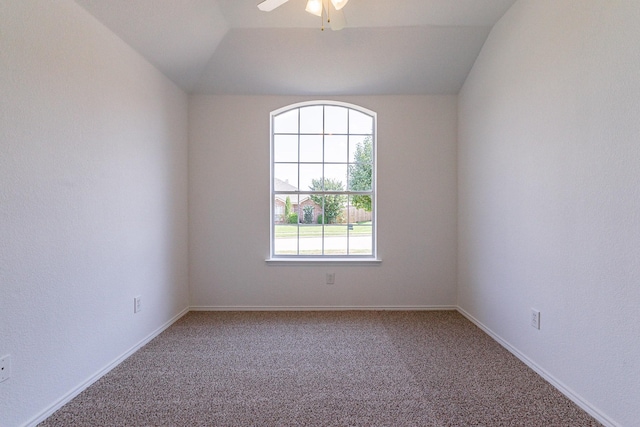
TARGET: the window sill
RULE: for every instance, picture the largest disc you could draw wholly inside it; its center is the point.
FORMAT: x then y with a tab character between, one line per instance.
323	261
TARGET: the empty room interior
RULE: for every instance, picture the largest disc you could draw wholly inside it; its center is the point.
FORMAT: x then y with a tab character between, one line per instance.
137	180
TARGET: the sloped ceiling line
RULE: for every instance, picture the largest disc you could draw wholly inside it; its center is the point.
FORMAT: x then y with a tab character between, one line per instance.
230	47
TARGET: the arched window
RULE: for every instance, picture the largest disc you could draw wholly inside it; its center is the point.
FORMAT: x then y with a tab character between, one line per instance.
323	181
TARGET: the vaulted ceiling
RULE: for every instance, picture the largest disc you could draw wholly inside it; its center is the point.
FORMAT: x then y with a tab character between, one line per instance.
231	47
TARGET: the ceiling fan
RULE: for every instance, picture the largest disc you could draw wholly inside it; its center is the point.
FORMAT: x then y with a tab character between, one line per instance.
331	9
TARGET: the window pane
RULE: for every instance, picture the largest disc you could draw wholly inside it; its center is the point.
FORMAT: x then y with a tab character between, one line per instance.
316	202
285	239
278	207
335	177
335	240
360	175
285	177
285	234
360	208
360	226
311	239
336	149
360	122
311	119
291	208
360	149
286	122
361	239
285	148
334	209
309	210
308	173
335	119
311	148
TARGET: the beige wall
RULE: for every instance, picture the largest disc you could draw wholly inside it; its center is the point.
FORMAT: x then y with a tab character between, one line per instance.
549	164
229	175
93	206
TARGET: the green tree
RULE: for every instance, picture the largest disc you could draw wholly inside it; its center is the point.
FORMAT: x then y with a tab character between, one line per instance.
292	218
360	174
333	203
287	207
308	214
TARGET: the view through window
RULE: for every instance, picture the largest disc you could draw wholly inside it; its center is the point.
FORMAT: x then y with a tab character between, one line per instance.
323	181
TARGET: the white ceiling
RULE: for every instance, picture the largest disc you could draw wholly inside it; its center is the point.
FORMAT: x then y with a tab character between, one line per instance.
231	47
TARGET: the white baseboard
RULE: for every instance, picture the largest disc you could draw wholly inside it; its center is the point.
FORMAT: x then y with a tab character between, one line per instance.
564	389
100	373
326	308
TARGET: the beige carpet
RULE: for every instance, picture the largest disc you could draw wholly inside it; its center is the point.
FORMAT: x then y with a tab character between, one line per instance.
321	368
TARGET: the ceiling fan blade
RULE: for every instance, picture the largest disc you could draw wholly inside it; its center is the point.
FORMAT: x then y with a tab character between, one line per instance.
269	5
338	21
339	4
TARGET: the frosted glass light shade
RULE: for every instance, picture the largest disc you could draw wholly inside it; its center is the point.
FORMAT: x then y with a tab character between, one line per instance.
314	7
339	4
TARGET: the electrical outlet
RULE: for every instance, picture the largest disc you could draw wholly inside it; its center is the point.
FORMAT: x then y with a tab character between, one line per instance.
137	304
535	318
5	367
331	278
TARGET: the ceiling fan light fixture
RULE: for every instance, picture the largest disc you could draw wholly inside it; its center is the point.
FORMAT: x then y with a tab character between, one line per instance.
339	4
328	10
314	7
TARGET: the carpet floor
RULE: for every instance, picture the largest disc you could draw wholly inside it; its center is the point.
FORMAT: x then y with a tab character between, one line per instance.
371	368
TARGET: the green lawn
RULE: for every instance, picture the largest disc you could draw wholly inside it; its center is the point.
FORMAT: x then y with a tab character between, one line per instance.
315	230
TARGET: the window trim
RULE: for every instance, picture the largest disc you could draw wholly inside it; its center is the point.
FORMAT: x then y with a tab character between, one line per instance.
368	259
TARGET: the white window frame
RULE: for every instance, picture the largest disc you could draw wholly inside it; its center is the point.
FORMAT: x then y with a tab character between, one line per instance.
348	258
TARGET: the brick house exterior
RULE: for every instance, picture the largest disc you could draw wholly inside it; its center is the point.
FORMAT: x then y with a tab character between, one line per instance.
296	205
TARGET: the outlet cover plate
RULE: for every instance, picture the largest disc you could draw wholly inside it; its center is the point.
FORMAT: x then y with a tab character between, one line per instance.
535	318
